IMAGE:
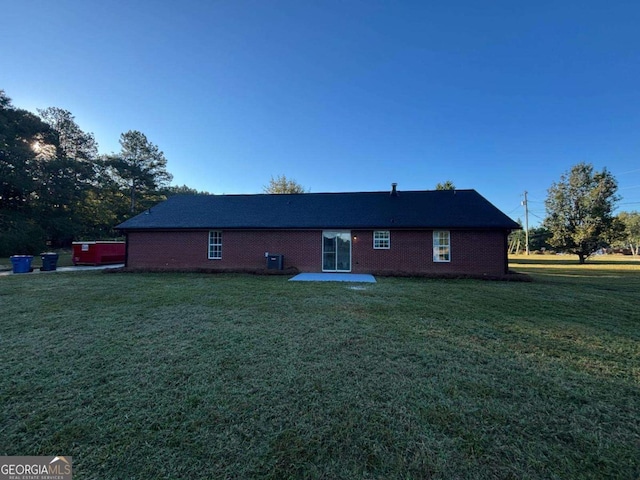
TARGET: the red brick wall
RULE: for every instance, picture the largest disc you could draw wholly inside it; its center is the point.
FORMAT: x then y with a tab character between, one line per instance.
472	252
240	249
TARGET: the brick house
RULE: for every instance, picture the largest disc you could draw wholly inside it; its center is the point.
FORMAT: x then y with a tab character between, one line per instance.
446	232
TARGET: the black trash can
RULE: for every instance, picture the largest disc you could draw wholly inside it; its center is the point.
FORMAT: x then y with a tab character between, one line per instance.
49	262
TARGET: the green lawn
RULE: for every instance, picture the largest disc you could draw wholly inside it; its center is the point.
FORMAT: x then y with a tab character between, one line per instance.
145	376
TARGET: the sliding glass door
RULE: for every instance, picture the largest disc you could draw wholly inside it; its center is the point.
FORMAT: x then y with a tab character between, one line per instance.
336	251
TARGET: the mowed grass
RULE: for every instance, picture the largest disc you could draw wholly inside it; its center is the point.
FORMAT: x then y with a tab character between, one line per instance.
233	376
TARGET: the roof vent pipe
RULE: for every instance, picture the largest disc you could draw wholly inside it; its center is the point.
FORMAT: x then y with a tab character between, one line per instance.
394	191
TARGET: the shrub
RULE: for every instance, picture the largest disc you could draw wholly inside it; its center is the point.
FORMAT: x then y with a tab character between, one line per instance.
21	237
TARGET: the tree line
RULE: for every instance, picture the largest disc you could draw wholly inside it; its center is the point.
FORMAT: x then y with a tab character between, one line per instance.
55	187
580	216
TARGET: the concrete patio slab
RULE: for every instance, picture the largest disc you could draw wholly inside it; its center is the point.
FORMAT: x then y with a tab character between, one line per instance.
333	277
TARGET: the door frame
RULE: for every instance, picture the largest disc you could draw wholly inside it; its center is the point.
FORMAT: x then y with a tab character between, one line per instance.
338	232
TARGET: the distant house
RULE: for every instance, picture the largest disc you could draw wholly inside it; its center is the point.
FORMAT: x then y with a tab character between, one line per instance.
398	232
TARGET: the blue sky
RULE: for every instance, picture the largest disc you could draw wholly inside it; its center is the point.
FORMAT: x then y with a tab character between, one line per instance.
500	96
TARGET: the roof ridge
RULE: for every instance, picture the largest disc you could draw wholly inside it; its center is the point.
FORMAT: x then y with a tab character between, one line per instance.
386	192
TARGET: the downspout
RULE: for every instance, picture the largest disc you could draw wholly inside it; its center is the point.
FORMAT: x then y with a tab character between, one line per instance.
506	251
126	249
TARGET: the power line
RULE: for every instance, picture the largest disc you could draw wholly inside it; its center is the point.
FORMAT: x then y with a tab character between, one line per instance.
630	171
509	213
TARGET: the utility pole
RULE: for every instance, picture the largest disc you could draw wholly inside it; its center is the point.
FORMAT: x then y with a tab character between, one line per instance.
526	221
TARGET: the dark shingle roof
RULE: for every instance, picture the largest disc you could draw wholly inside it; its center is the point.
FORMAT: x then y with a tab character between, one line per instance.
410	209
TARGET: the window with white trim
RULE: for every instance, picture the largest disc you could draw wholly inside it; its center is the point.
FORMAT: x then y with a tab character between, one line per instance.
382	240
215	245
441	246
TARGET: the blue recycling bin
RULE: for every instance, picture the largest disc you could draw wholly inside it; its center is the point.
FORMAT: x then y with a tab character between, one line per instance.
21	263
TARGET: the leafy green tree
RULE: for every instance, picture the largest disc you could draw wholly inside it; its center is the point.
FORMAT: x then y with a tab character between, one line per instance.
447	185
580	211
140	168
27	145
517	239
172	190
72	175
106	204
539	238
44	177
55	187
73	141
631	234
281	184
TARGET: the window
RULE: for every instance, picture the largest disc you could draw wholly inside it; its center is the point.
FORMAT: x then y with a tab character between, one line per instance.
215	245
336	251
441	246
382	240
